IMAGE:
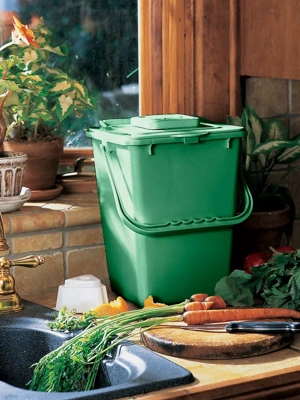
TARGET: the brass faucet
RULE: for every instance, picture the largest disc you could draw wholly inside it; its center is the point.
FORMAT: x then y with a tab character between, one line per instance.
9	300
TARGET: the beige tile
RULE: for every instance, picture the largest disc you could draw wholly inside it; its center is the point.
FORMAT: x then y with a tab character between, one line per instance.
295	97
87	261
294	125
6	223
34	222
40	242
78	216
44	277
84	236
268	96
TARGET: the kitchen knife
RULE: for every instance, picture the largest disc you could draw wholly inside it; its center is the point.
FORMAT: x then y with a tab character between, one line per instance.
263	327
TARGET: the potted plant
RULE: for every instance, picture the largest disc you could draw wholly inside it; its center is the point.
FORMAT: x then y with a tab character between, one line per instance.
36	97
266	147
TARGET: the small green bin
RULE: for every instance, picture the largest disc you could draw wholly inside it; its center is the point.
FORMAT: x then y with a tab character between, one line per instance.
167	190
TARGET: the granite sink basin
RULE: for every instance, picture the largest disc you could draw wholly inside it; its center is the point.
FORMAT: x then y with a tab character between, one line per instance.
130	370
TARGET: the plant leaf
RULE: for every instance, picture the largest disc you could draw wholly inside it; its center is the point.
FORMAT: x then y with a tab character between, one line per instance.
274	129
59	50
236	121
12	100
255	122
81	90
290	154
61	87
31	55
270	145
64	106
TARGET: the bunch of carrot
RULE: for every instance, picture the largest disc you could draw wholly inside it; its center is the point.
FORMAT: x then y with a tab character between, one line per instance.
212	309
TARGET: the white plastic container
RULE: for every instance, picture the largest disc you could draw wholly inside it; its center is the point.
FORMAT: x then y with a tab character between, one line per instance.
81	293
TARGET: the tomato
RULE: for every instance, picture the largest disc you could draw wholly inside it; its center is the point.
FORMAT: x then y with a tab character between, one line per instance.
254	260
285	249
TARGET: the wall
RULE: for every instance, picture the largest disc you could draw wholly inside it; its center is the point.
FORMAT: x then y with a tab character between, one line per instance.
66	231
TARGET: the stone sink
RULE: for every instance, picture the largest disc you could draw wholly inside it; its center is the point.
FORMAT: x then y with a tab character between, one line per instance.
131	370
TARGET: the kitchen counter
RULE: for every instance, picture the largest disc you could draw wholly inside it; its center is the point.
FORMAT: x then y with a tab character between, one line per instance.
274	375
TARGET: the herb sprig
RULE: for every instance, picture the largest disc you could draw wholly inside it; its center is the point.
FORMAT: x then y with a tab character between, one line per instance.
74	365
67	320
277	282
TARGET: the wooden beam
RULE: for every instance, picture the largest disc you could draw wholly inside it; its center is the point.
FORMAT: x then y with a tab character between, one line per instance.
189	57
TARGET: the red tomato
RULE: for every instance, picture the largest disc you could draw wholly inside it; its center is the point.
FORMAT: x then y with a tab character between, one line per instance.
285	249
254	260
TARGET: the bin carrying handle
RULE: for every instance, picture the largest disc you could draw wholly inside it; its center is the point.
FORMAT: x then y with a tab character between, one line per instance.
182	225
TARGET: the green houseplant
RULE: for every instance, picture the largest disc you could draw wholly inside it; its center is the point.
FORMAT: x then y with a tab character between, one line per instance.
36	96
265	148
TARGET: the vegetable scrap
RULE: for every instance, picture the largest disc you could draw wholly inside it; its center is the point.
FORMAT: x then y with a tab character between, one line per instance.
149	303
112	308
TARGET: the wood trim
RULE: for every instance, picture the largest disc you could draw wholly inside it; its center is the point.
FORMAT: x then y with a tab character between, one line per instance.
234	58
69	156
150	56
189	57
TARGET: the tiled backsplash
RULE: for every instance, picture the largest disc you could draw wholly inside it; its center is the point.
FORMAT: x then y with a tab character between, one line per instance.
280	98
66	231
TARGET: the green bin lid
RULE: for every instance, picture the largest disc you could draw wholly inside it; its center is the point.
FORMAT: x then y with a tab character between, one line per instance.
162	128
167	121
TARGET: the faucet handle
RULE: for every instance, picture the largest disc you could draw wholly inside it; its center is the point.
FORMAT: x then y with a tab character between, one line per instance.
28	262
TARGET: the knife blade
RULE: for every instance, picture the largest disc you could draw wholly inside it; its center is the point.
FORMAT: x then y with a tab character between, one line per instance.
263	327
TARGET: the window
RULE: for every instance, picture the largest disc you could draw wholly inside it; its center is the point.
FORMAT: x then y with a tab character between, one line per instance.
102	41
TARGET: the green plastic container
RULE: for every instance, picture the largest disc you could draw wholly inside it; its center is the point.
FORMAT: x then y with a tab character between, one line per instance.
167	190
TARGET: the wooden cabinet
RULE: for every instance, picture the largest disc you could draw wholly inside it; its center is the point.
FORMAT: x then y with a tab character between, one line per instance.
270	38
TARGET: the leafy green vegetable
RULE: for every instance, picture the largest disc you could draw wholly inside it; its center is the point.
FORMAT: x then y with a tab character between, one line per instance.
277	283
67	320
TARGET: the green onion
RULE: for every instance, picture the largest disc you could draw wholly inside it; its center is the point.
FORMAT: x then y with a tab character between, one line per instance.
74	365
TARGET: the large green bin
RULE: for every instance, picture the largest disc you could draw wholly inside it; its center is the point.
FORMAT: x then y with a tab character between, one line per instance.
167	189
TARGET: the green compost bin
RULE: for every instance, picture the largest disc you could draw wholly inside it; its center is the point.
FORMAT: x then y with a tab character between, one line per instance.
167	189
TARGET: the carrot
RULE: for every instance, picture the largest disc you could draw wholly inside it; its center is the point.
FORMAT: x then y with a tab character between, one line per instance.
199	297
198	305
237	314
218	302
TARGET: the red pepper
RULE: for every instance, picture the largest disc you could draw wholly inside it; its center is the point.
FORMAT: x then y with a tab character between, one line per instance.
254	260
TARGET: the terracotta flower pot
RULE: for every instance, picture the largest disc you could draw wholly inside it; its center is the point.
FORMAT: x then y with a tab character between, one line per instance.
260	231
42	162
264	229
12	170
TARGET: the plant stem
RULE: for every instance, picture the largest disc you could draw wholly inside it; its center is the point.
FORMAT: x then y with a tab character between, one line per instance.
6	45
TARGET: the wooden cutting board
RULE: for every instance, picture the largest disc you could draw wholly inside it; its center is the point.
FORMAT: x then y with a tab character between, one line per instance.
212	345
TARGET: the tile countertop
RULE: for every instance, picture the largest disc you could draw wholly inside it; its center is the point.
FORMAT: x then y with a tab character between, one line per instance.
274	375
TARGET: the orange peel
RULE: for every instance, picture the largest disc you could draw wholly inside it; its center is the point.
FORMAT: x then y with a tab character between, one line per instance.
114	307
149	303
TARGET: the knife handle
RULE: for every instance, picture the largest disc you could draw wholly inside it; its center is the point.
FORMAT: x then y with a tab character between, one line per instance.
263	327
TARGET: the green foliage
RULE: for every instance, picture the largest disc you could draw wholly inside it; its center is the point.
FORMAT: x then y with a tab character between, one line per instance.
40	95
277	282
265	146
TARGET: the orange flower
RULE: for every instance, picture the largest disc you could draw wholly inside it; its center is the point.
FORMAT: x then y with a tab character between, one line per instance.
22	35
